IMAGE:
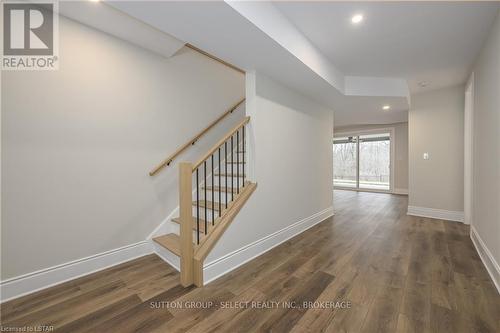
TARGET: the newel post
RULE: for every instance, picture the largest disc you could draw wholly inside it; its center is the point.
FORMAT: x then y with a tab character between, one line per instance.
186	222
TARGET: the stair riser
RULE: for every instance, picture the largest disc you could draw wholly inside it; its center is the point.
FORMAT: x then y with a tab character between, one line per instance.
228	157
236	168
223	181
202	214
234	155
177	230
216	195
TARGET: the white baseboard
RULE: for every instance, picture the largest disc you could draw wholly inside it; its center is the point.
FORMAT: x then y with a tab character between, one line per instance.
434	213
233	260
28	283
486	257
403	191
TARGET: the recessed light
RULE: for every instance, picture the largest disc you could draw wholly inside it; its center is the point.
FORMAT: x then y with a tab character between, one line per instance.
386	107
357	18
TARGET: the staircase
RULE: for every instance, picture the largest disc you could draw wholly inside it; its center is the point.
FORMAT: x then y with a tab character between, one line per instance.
211	193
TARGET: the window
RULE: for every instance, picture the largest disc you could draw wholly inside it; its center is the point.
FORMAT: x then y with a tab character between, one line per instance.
344	171
363	161
375	161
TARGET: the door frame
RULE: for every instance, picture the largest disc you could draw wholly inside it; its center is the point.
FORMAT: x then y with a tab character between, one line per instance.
391	131
469	150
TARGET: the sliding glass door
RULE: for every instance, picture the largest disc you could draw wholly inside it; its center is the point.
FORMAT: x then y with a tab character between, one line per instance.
345	155
375	161
363	161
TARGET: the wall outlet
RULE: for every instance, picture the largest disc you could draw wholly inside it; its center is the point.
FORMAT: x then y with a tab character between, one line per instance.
426	156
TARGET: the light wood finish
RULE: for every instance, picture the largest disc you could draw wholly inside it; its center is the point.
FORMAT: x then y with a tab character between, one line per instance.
209	242
221	142
223	189
401	273
215	58
210	205
202	223
171	242
186	225
193	140
198	272
236	198
229	175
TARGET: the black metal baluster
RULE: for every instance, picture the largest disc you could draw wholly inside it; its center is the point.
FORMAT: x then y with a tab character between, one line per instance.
220	190
225	174
243	150
232	169
237	162
205	195
197	208
213	189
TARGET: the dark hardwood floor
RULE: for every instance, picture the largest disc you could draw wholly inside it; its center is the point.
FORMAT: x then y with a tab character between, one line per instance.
371	268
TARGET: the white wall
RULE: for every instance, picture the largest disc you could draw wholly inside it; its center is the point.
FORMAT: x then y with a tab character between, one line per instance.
436	126
291	160
400	150
486	206
78	143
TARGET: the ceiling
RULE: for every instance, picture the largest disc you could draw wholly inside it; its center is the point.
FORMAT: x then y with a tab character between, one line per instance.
313	47
435	42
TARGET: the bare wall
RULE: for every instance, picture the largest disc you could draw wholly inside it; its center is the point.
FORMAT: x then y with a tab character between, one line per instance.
290	159
78	143
486	206
436	127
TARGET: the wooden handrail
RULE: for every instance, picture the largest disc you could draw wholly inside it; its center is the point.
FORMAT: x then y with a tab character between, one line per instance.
168	160
192	47
221	142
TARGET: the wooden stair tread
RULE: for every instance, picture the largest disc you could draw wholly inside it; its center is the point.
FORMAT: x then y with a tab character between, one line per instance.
202	223
229	175
171	242
209	205
224	189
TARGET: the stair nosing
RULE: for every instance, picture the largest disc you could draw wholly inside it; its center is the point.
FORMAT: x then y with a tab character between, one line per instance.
176	247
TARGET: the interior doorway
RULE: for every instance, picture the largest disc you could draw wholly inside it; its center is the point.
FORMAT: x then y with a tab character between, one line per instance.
468	149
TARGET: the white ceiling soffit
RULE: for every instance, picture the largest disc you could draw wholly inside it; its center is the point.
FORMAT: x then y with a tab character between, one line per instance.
271	21
431	44
277	50
114	22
